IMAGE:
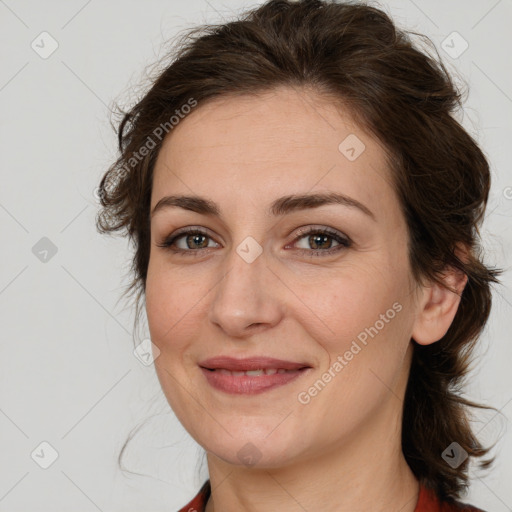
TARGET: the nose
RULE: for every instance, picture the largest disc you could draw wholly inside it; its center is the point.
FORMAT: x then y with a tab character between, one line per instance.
246	298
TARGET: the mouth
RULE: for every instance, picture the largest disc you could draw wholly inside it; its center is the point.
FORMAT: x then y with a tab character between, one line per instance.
251	375
250	364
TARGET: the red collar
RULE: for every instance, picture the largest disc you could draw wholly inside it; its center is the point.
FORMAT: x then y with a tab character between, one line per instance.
427	502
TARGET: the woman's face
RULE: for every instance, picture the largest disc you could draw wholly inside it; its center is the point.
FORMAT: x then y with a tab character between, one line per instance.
253	283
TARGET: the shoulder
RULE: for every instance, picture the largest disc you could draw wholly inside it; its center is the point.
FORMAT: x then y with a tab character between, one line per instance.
198	504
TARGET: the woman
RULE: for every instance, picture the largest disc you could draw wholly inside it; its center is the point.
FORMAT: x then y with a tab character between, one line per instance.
305	215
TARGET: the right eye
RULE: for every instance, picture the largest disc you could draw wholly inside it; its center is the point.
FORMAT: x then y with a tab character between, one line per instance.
191	237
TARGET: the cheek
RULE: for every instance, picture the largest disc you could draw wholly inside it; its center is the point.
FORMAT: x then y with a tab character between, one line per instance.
170	311
169	303
355	302
369	323
364	362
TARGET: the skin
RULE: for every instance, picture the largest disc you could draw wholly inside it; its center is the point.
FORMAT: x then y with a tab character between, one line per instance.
342	450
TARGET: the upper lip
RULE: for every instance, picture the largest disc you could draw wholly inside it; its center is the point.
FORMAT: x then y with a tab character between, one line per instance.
250	363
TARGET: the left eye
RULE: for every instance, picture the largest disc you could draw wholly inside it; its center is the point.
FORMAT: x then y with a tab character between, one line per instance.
322	240
319	241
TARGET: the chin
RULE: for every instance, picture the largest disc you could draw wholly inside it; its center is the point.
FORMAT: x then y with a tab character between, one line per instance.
250	455
251	451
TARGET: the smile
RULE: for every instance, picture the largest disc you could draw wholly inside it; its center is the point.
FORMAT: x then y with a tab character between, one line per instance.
250	382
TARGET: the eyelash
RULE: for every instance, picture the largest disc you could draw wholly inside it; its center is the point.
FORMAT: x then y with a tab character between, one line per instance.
344	241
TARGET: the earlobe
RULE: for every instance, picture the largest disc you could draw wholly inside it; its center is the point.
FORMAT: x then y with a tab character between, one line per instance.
437	307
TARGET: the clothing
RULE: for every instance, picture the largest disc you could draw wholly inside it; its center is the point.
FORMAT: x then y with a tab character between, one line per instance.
427	502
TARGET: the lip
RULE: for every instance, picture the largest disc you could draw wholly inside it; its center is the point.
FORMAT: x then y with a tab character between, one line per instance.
248	384
250	363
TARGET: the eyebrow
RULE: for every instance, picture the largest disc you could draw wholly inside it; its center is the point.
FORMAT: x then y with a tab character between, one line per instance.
279	207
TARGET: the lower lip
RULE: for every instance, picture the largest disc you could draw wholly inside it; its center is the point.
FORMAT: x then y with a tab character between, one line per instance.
249	385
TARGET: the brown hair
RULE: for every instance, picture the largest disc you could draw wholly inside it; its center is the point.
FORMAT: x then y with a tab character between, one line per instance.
406	99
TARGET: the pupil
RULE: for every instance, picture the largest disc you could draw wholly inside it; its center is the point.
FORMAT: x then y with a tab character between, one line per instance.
196	239
318	237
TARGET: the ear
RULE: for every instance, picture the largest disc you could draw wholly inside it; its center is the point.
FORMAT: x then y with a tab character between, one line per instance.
437	305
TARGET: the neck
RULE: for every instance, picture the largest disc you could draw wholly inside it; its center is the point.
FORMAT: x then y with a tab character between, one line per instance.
366	472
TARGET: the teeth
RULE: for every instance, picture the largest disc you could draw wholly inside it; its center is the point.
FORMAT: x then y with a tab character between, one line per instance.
253	373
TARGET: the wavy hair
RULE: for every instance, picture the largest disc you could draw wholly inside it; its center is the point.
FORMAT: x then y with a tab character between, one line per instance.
401	94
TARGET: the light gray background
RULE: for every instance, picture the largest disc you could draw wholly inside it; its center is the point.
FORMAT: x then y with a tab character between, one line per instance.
68	374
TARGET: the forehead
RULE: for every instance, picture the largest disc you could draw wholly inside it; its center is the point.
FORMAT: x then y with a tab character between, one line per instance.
282	141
